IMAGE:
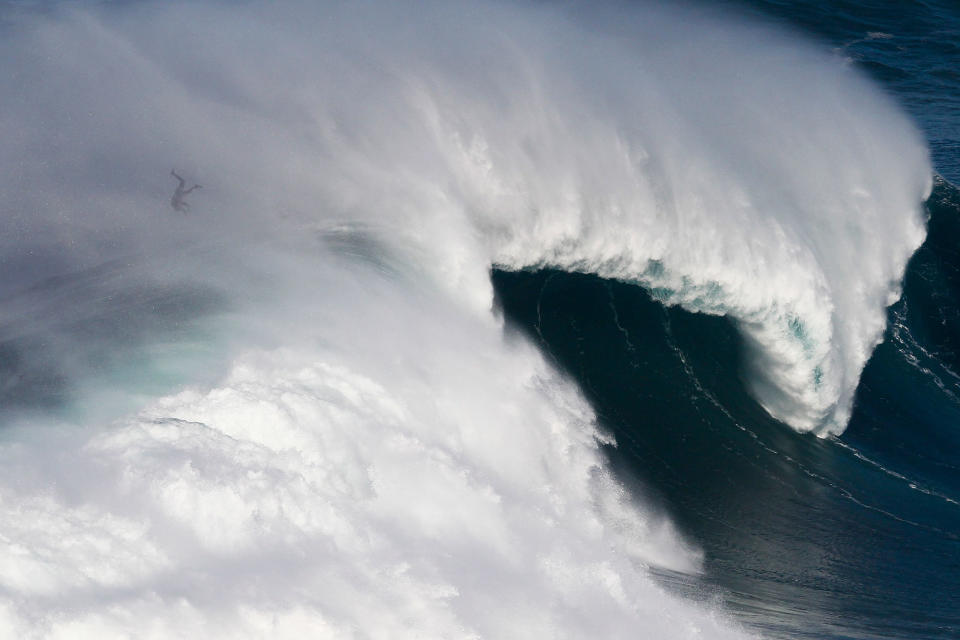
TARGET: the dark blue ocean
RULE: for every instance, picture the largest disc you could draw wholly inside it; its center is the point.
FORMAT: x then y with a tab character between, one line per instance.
489	320
856	536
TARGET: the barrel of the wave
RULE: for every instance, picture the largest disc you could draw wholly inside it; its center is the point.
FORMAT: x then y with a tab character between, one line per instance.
784	191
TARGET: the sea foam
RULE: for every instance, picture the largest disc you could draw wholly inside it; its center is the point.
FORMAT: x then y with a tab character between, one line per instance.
396	469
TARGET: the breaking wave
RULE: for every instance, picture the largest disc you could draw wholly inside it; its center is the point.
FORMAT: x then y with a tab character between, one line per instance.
293	408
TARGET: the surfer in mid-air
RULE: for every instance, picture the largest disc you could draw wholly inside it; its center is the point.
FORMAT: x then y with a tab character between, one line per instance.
177	201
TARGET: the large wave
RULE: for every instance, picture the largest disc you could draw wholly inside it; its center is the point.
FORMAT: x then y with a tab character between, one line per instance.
373	457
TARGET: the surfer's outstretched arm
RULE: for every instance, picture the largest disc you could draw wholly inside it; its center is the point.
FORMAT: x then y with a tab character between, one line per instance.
196	186
181	180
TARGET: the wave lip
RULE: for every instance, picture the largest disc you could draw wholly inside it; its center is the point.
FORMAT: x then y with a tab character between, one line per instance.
769	183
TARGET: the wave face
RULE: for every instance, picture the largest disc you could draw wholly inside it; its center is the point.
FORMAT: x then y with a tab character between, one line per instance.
805	537
291	411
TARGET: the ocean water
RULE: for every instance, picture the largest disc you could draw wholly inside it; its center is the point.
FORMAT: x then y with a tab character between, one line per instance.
490	320
856	536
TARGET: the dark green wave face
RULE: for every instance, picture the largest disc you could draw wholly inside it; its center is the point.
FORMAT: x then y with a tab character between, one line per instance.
856	537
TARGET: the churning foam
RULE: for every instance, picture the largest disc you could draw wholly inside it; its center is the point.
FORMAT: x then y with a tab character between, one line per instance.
377	460
399	474
396	470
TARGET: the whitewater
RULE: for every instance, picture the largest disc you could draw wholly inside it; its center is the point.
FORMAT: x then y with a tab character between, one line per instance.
296	410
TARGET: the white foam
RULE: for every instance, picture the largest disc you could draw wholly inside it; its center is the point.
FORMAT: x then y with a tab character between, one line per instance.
401	474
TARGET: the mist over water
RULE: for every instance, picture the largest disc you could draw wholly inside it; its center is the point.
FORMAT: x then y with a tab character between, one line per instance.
292	408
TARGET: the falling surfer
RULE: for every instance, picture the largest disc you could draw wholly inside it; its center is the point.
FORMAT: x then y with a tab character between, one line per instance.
177	201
